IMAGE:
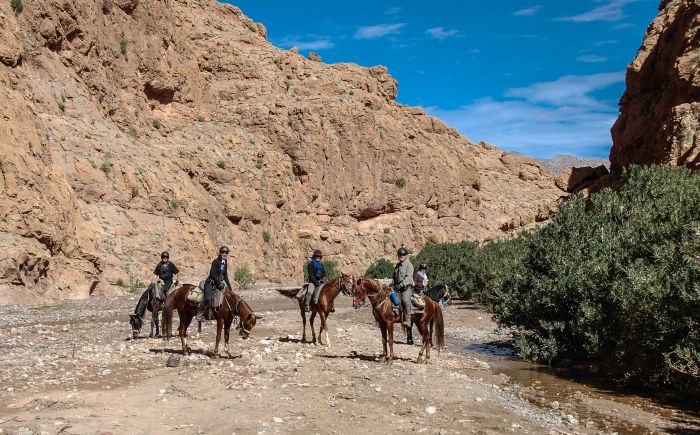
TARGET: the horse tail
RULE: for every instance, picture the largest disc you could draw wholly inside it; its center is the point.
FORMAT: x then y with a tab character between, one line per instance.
290	293
439	328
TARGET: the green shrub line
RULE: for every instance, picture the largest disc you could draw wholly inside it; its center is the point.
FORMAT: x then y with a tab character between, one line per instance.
613	279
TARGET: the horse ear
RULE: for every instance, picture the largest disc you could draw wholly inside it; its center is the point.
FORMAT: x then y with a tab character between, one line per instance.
132	315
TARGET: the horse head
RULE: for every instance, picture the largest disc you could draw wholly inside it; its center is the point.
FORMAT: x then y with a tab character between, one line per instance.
136	324
360	294
247	323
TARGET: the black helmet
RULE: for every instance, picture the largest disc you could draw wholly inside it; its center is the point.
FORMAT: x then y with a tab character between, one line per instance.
402	251
317	253
224	250
165	254
423	266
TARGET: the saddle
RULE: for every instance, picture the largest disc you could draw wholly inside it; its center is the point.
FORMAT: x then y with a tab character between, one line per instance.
417	301
305	289
197	295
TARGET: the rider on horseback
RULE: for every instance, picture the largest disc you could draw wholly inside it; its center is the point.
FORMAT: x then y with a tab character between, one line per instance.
165	271
403	283
218	277
421	278
316	273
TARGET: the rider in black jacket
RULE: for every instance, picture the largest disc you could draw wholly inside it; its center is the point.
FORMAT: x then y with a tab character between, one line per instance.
166	271
218	276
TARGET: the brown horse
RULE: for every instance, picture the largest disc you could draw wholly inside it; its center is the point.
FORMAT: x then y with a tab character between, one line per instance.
323	307
232	306
365	289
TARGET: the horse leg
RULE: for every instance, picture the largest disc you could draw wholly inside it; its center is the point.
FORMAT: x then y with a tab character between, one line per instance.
303	323
322	316
219	327
390	328
383	327
182	331
227	330
155	319
199	326
421	330
311	325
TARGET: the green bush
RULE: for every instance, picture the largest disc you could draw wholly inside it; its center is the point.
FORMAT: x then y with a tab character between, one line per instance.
381	268
243	277
614	279
453	264
17	6
400	182
266	236
123	45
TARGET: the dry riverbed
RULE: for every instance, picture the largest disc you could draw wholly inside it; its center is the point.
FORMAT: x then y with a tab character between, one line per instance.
73	369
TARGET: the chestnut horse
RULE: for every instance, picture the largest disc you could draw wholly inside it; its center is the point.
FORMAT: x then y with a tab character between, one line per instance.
368	289
323	307
232	306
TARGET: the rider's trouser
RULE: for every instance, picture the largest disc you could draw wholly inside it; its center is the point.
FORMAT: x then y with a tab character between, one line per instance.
166	286
405	303
308	297
208	289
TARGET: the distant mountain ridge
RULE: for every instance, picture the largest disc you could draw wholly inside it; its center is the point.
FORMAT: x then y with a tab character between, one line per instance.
558	164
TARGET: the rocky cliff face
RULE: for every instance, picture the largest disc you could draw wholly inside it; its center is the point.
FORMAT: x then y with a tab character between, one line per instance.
660	111
133	126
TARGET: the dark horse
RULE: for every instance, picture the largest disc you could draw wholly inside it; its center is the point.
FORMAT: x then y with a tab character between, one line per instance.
323	307
232	306
148	301
365	289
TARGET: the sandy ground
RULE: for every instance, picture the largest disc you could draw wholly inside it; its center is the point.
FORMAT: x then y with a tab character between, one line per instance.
73	369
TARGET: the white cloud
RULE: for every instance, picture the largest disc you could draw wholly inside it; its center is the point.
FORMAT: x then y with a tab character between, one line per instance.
543	119
591	58
527	11
307	44
441	33
612	10
393	11
378	30
567	90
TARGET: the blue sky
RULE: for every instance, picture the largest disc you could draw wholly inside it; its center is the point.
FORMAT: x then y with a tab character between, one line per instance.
541	77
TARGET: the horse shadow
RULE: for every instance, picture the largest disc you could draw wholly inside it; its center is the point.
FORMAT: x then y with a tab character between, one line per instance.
209	353
363	357
291	340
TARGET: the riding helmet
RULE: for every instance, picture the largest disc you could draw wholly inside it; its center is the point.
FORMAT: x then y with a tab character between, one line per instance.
402	251
224	250
423	266
165	254
317	253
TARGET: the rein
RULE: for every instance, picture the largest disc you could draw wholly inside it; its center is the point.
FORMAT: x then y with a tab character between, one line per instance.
236	313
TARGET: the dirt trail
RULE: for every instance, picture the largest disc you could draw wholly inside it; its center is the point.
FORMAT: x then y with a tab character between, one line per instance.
71	369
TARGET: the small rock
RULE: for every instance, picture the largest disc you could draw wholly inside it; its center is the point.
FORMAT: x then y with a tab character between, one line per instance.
479	399
277	420
14	331
554	404
572	420
65	328
430	409
173	361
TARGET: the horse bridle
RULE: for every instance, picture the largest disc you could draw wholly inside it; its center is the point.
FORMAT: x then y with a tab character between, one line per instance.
372	299
236	313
